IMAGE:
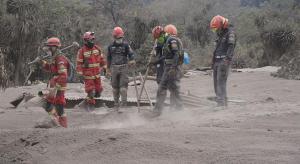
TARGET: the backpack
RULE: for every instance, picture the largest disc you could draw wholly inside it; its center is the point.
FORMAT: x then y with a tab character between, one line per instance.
181	51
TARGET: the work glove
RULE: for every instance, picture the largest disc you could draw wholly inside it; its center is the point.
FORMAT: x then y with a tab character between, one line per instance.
108	73
131	63
172	72
41	62
227	61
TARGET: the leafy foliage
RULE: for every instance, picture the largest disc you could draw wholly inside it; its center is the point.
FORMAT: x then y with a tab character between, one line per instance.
267	30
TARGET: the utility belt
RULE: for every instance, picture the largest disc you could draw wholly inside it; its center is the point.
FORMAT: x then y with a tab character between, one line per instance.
169	61
220	57
120	65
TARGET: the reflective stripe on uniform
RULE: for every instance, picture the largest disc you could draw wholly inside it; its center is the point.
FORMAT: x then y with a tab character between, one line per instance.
62	70
93	65
91	77
87	54
96	52
60	88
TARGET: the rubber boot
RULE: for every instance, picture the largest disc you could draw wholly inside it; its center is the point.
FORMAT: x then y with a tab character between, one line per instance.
54	117
123	92
97	94
90	104
116	94
63	121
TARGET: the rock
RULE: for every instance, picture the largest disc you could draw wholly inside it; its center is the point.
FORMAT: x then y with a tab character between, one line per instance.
200	150
269	99
46	124
112	138
187	142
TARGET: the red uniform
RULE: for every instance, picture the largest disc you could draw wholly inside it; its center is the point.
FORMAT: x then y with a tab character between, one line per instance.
59	67
89	63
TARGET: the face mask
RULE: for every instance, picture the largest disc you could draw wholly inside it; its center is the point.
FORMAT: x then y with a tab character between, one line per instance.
90	44
161	39
119	40
52	50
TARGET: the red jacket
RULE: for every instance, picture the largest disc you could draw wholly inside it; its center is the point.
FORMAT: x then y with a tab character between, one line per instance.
89	61
59	67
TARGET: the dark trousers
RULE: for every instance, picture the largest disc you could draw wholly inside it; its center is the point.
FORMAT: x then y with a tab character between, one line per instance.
221	71
169	81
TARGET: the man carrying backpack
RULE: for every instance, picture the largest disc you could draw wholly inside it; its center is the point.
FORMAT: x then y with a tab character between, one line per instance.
173	57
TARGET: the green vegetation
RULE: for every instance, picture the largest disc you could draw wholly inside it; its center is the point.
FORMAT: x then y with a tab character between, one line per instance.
267	30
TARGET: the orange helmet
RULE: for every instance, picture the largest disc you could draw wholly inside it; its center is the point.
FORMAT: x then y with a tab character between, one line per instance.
118	32
170	29
88	36
53	42
218	22
157	31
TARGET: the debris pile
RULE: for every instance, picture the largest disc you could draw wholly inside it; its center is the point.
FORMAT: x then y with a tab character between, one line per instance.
291	70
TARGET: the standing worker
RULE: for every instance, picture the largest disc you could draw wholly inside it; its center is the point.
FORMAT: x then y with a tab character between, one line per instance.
159	36
222	56
89	63
119	56
173	57
59	67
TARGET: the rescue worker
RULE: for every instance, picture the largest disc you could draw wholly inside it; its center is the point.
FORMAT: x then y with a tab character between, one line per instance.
59	67
222	56
89	63
119	57
159	36
173	58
